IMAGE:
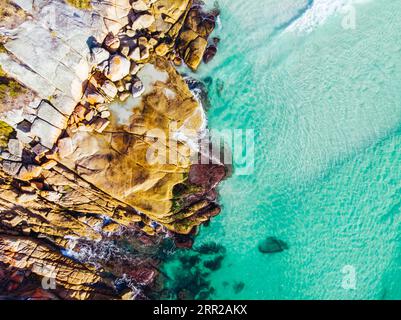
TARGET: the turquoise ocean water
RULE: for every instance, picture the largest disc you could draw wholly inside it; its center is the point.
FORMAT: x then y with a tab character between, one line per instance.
326	109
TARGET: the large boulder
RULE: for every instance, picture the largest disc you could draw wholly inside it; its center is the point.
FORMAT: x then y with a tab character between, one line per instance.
192	41
194	53
118	68
272	245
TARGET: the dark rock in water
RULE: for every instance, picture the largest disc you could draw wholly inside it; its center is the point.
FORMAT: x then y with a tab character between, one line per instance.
189	261
214	264
219	87
203	295
190	282
208	81
185	295
210	53
183	241
238	287
272	245
206	176
210	248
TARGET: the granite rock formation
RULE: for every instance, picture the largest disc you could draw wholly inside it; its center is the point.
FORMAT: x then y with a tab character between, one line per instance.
86	89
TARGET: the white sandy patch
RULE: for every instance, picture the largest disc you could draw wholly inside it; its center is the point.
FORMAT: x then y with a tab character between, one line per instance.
149	75
122	111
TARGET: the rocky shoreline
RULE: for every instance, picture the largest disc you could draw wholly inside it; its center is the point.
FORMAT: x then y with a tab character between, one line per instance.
80	204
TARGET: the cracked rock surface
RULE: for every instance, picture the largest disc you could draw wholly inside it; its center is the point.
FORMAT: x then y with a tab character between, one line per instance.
88	91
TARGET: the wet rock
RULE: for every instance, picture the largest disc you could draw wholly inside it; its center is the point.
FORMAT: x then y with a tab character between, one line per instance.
182	241
143	276
192	42
195	52
272	245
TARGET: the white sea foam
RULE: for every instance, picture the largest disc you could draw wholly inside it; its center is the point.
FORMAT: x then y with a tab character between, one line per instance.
318	13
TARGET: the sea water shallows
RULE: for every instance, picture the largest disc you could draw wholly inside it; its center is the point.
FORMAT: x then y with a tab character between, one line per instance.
326	109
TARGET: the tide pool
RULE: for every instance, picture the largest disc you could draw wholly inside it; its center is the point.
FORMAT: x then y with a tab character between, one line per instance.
325	105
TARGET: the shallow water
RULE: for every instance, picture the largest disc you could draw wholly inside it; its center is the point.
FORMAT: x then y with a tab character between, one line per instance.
325	104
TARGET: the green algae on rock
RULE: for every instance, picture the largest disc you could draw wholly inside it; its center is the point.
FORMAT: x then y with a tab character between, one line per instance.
9	88
80	4
5	132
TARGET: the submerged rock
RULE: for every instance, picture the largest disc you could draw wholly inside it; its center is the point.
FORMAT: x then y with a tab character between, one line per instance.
210	248
272	245
214	264
238	287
